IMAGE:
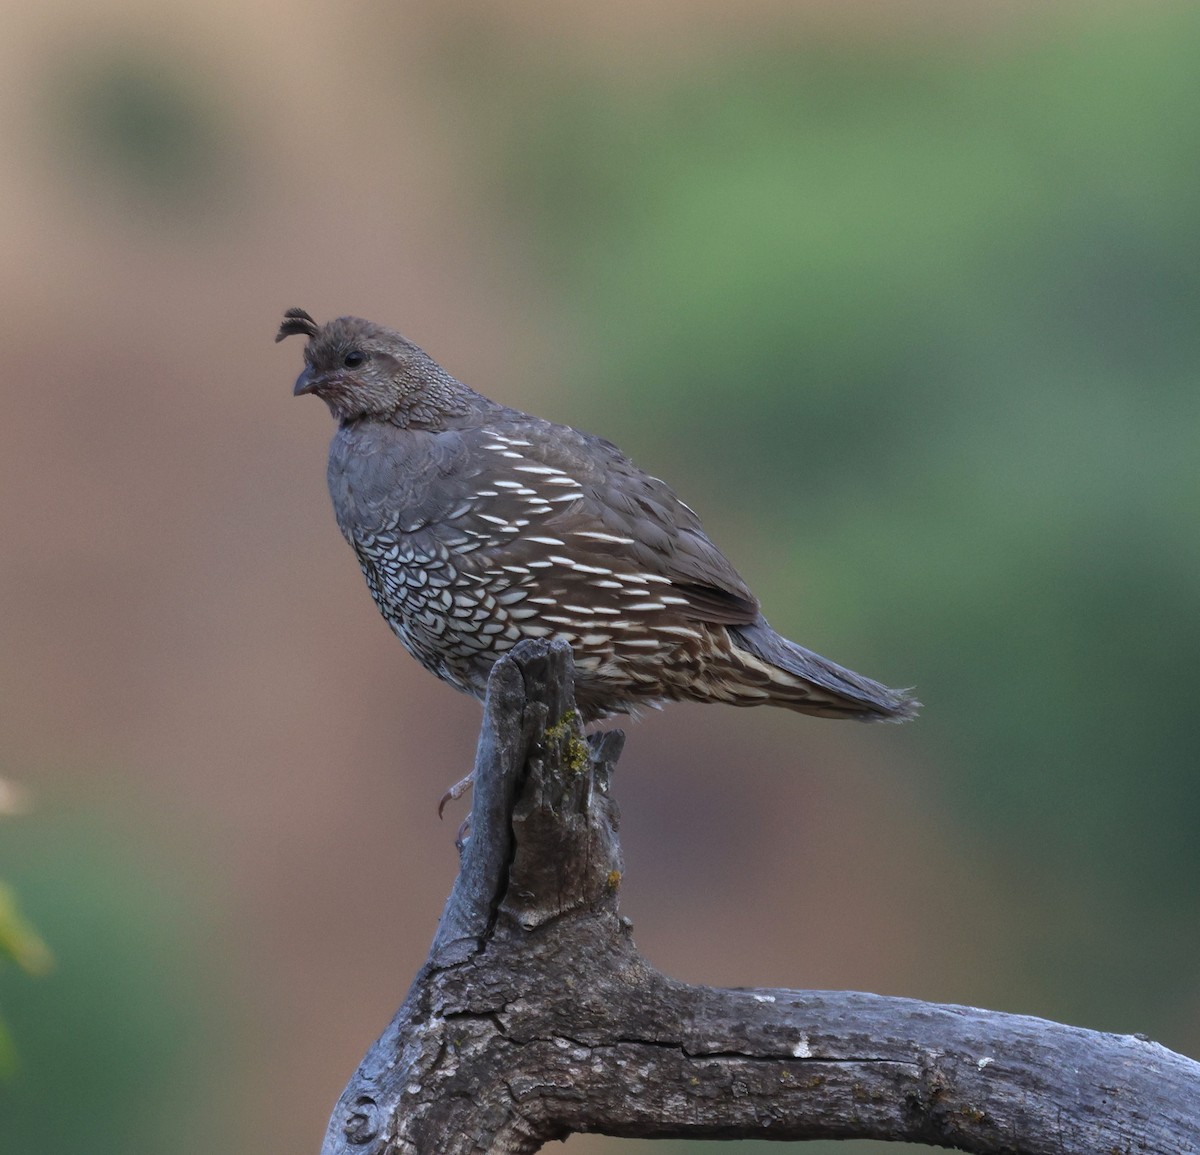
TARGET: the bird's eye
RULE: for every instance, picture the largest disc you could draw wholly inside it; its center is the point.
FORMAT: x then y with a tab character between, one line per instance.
354	358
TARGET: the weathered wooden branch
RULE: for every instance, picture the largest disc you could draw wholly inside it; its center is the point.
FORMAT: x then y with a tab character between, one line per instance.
534	1015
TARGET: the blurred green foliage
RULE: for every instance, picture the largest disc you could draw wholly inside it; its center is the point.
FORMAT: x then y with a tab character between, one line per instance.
21	944
932	310
114	1047
141	127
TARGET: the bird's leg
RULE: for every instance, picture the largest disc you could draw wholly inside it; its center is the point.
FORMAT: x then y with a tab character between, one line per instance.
456	791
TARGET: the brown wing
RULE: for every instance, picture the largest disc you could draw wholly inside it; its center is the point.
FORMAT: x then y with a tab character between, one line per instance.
583	493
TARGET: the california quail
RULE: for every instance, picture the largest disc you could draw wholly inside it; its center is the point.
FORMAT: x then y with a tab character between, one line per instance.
477	525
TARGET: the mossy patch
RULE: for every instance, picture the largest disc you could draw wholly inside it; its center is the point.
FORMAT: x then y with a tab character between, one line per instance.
576	756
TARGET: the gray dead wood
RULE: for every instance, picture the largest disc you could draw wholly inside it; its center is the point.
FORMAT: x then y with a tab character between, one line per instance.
535	1017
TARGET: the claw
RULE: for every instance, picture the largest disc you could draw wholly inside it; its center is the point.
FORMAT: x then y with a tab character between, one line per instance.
456	791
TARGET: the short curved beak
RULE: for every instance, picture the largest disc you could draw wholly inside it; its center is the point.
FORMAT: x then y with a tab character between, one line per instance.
305	383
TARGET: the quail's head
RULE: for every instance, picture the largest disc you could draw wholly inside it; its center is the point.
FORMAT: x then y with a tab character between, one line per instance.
359	369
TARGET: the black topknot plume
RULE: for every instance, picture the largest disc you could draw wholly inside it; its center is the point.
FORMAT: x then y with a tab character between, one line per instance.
296	323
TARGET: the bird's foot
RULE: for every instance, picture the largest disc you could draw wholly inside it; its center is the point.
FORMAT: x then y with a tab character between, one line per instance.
456	792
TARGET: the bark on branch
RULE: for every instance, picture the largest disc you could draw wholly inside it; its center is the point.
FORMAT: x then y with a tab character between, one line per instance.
535	1016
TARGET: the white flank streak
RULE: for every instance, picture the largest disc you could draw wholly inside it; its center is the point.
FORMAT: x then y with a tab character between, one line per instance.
486	493
546	540
597	536
667	599
565	496
544	470
515	569
511	453
545	601
504	437
640	642
493	519
540	564
591	568
607	585
559	560
560	478
495	447
508	484
587	611
646	606
682	631
536	631
594	639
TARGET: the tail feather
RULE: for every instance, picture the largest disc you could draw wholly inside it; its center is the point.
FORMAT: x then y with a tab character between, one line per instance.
804	681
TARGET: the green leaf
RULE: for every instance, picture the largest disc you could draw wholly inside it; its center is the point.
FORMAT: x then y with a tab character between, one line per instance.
19	941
